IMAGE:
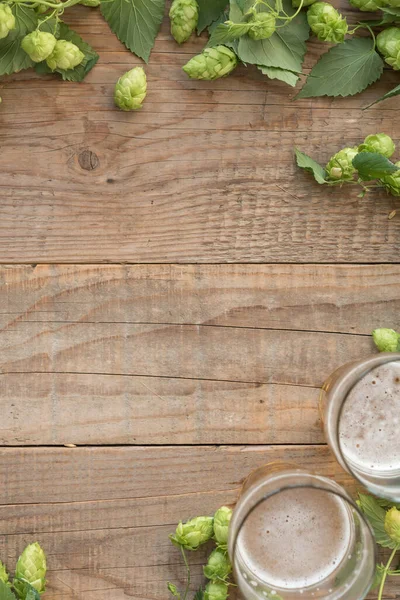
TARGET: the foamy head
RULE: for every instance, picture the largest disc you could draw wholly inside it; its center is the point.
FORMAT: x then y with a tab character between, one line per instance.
296	539
369	424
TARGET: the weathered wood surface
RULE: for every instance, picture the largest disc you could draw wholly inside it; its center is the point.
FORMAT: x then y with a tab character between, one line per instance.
104	515
204	173
162	354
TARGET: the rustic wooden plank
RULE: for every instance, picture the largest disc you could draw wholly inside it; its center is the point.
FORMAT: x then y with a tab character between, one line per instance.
105	514
169	184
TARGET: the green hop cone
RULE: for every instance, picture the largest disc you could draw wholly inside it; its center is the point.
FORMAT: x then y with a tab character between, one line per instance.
327	23
31	567
392	524
386	340
38	45
263	25
7	20
222	519
91	3
218	567
392	182
216	590
212	63
3	574
194	533
340	167
65	56
388	44
131	89
380	143
368	5
184	16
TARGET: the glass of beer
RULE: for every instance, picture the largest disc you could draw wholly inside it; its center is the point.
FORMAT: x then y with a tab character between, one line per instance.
295	535
360	405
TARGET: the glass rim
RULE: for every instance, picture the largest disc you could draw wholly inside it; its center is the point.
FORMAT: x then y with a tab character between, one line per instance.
343	495
395	357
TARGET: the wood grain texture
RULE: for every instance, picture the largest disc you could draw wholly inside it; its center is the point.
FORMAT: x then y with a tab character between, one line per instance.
204	173
180	354
104	515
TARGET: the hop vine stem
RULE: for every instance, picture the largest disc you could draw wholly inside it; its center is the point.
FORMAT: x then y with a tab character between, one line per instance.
187	572
386	572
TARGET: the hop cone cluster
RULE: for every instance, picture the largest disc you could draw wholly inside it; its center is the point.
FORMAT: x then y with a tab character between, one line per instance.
380	143
192	534
131	89
326	22
212	63
31	567
388	44
340	166
263	25
65	56
38	45
7	20
184	15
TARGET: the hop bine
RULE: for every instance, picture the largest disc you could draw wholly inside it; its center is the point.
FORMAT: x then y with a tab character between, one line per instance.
131	89
212	63
380	143
65	56
340	167
38	45
31	568
388	44
193	534
7	20
184	15
327	23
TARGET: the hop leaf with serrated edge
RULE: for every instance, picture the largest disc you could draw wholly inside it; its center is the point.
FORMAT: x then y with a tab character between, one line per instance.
222	519
7	20
386	340
3	574
392	182
340	167
327	23
263	25
392	524
131	89
65	56
388	44
184	15
38	45
212	63
368	5
194	533
380	143
216	590
31	567
218	567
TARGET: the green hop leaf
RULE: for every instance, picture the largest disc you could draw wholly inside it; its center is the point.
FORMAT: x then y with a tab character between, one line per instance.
391	94
392	524
31	567
199	595
371	165
386	340
7	20
344	70
388	44
376	516
131	89
217	590
308	164
263	25
218	567
194	533
284	75
38	45
327	23
3	573
222	518
209	11
392	184
340	167
367	5
5	592
227	32
380	143
212	63
65	56
184	15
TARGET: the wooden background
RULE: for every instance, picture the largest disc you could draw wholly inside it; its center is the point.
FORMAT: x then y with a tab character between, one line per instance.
173	293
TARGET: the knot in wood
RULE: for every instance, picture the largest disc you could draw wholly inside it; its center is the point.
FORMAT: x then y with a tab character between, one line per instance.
88	160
